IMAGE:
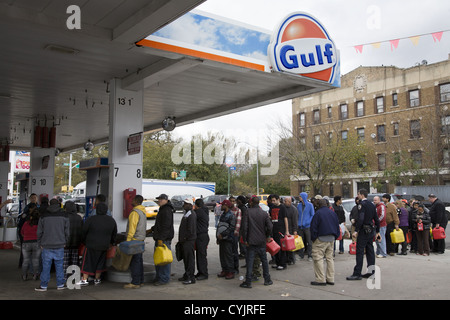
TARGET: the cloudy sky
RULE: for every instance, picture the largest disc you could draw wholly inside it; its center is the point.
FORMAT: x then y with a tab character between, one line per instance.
350	23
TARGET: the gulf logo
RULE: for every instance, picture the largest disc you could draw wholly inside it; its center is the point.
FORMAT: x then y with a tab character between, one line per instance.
301	45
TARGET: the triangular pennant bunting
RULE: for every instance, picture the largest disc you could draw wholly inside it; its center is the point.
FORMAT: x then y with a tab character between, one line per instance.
394	44
359	49
437	36
415	40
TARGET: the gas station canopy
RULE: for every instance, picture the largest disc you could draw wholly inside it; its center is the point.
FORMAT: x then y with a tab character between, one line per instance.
51	75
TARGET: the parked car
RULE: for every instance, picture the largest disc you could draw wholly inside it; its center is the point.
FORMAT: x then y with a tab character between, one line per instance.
370	196
211	201
177	200
151	208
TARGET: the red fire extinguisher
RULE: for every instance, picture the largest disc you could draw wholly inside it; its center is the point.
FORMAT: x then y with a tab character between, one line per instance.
45	137
37	136
53	137
128	196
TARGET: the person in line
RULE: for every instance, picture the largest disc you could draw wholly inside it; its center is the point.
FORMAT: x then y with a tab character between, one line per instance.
22	218
187	233
392	222
438	219
305	213
225	240
163	233
241	202
238	214
98	234
381	212
136	230
422	223
100	198
339	210
325	230
256	231
403	225
76	226
30	249
52	234
280	223
292	215
202	240
367	226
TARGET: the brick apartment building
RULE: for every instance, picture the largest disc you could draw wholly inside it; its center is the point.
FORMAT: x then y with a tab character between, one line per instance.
402	116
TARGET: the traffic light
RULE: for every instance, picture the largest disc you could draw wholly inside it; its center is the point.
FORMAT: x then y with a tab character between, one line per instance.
174	175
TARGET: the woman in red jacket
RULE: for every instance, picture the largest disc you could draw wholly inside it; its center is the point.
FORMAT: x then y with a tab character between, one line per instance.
30	248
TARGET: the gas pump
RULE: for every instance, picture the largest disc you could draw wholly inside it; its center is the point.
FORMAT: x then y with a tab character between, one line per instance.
97	181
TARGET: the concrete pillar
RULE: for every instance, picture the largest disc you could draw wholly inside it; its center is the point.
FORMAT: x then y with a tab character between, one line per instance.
42	171
125	171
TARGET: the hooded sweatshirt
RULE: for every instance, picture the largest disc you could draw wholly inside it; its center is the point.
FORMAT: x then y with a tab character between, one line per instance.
99	231
305	212
137	224
53	228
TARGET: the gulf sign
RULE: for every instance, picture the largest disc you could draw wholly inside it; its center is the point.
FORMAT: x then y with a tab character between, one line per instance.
302	46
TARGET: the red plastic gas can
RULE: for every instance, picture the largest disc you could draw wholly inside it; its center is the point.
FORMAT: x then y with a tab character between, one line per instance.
272	247
438	233
288	243
352	248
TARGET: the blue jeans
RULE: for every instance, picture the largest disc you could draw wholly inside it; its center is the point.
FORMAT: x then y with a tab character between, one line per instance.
381	245
48	256
163	272
137	269
250	258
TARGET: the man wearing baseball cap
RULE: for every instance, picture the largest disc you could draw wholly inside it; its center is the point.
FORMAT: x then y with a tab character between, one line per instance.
163	233
187	233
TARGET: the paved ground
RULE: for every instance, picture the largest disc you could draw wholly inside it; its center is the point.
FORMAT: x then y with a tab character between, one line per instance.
402	278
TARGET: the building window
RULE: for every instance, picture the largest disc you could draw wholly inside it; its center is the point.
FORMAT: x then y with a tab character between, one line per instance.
302	120
360	133
414	126
396	128
394	99
317	141
303	141
360	108
397	158
381	133
445	128
380	104
416	157
329	112
344	135
445	92
316	116
330	137
344	111
446	156
381	162
414	98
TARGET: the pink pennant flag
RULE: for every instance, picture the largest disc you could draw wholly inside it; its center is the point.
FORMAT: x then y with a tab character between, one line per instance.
394	44
437	36
359	48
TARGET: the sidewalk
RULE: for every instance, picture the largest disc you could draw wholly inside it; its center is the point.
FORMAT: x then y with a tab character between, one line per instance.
402	278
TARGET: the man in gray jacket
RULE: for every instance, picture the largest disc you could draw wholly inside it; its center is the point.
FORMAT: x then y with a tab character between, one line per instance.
256	230
52	234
